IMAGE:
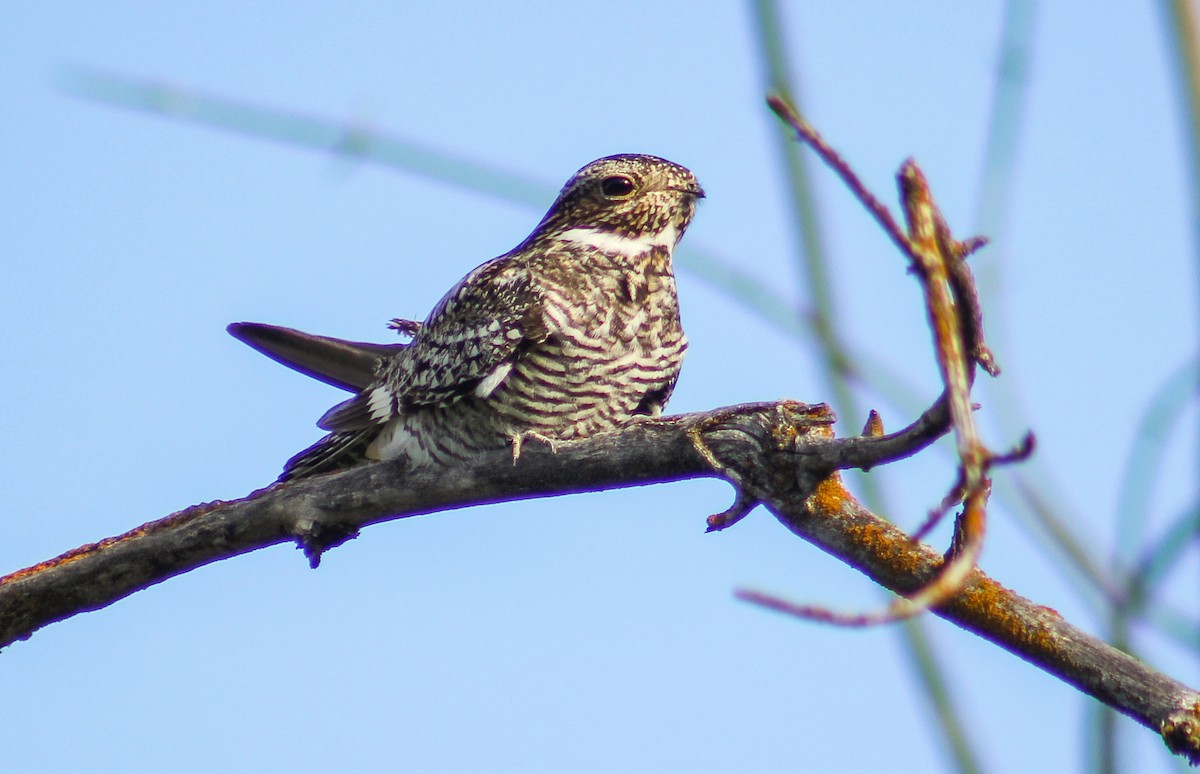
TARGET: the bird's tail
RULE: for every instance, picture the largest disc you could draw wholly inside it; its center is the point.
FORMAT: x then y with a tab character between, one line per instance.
349	365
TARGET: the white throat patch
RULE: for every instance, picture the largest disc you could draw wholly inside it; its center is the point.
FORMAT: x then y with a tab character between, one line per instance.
630	247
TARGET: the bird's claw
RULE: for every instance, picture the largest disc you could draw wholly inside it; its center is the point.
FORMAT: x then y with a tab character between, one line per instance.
530	435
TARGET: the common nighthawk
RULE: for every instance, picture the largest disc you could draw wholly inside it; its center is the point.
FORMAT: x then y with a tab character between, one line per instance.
574	331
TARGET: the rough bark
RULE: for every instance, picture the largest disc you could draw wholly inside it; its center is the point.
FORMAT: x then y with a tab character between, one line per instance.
782	454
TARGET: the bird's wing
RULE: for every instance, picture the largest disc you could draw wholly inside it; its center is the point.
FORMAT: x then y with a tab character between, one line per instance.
468	345
350	365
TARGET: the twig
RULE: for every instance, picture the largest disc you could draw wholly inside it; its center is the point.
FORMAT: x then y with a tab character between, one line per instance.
956	318
810	137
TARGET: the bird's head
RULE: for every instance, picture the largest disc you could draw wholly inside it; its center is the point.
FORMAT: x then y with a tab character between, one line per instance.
632	197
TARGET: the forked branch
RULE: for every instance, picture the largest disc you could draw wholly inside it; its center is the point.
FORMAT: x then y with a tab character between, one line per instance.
956	319
783	455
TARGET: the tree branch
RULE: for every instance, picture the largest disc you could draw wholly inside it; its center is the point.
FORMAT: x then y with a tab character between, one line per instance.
782	454
321	512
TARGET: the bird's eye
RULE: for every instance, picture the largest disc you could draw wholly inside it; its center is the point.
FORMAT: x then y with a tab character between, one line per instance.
617	185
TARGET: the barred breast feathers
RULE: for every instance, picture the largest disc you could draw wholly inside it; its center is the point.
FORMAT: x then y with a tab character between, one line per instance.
574	331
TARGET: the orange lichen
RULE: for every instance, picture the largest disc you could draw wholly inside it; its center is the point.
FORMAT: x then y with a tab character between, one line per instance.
883	542
1181	733
982	600
988	604
74	555
829	497
893	549
89	549
800	419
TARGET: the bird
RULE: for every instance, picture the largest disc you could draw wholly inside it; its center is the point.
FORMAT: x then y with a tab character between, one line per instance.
573	332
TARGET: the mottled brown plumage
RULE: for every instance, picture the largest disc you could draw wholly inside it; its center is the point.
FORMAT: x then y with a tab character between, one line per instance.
573	332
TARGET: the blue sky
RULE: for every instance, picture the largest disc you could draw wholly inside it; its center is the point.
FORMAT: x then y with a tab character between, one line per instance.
595	632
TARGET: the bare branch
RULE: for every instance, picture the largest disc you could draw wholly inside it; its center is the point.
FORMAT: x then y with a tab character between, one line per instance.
834	521
812	138
956	319
782	454
323	511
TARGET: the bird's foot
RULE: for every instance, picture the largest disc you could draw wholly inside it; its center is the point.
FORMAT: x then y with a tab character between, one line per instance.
531	435
405	327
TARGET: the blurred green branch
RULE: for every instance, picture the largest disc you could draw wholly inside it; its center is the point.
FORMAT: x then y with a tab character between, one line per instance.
844	368
1159	420
1182	31
1183	36
1139	564
303	130
362	143
838	371
1027	489
751	292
